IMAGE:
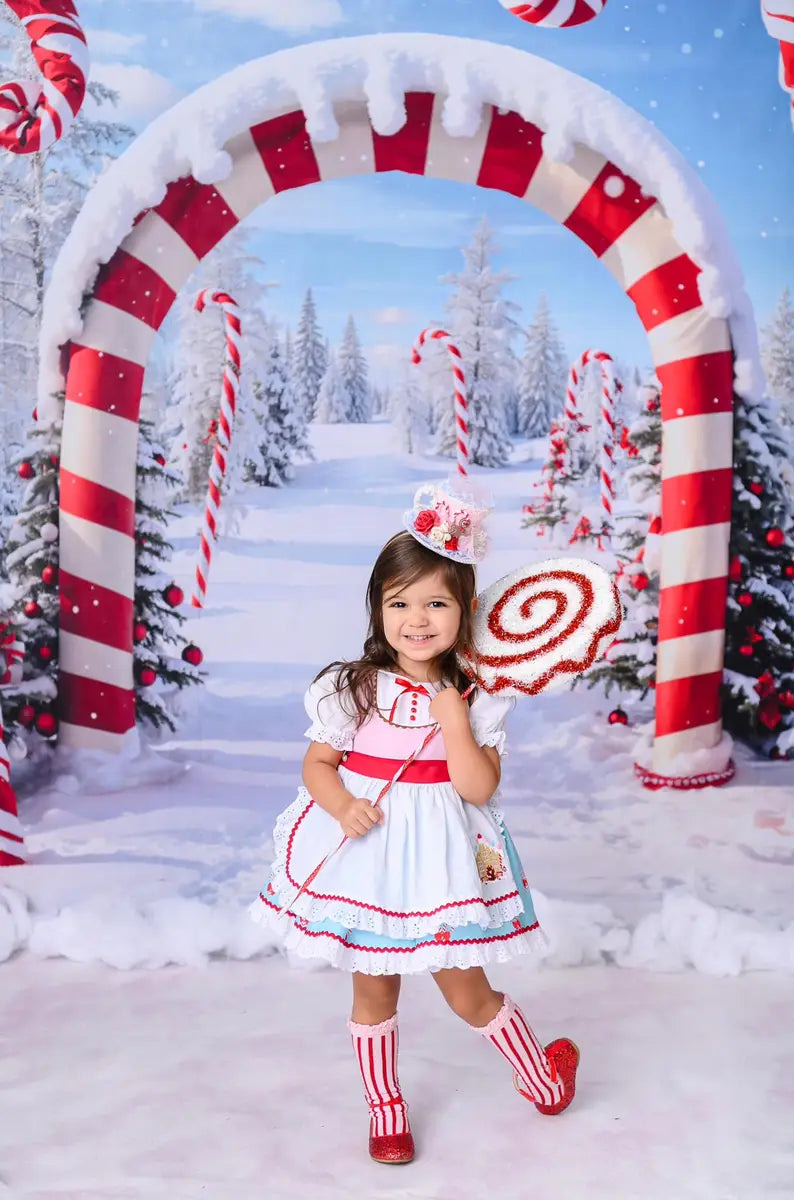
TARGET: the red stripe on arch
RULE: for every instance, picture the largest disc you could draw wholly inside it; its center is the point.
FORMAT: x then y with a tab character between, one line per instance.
104	615
696	386
197	213
667	291
406	150
131	285
513	151
599	219
7	859
79	697
104	382
683	704
286	151
702	498
92	502
689	608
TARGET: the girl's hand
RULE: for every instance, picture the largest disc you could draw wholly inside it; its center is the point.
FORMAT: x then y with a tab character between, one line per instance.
358	817
449	707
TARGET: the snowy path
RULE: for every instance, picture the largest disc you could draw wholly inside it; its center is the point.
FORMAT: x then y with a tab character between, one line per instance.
238	1083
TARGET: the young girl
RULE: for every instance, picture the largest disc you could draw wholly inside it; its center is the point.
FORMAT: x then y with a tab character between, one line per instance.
429	878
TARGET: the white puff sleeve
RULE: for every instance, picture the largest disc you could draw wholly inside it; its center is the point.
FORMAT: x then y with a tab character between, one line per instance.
487	716
330	722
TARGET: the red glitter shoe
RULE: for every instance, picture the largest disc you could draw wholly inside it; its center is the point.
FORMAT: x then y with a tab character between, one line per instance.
394	1148
563	1054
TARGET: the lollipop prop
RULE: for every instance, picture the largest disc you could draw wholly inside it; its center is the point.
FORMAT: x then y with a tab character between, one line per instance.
541	624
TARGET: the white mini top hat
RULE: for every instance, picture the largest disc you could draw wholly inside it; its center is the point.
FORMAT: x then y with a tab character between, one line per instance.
447	517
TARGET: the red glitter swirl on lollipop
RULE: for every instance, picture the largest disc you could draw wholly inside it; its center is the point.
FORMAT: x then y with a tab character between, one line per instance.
498	672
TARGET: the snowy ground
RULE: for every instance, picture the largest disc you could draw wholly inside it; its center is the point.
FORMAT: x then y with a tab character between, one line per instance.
152	861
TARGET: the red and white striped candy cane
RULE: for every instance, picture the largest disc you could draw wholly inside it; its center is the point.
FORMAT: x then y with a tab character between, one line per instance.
229	391
461	405
779	21
34	115
610	386
555	14
12	846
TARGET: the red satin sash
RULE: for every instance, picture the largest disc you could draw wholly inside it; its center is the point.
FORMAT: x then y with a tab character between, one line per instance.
422	771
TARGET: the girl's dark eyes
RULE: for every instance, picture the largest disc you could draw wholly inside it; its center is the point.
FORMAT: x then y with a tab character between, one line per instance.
433	604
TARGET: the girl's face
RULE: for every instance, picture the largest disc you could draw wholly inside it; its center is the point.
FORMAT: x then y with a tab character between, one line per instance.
421	622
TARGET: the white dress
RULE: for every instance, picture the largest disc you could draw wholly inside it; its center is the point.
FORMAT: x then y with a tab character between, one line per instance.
438	884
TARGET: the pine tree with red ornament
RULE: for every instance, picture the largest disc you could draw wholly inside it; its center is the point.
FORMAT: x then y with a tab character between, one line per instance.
31	593
164	662
758	688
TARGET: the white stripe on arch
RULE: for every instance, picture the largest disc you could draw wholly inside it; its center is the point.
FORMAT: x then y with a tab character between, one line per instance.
556	188
160	247
104	449
110	330
97	554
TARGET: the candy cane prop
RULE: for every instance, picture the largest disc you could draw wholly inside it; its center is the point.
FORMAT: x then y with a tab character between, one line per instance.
12	651
555	14
229	392
461	406
562	434
779	21
33	116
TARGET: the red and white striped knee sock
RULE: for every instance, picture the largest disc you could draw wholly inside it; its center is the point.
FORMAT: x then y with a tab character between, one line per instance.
376	1049
513	1038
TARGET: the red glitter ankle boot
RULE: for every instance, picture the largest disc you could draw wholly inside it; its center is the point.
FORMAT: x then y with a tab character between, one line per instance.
376	1046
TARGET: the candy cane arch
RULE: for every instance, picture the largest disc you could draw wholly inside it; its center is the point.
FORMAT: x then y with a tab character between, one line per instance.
12	848
637	226
33	116
461	404
229	392
555	14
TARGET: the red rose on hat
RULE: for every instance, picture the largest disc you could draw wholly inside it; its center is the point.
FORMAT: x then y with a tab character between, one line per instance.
426	520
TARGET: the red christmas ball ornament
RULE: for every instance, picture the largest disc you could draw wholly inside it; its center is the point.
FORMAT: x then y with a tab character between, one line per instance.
54	459
757	489
31	609
35	414
747	651
788	570
192	654
618	717
160	459
49	574
745	599
655	526
173	595
26	715
775	536
46	652
735	569
146	676
25	470
786	699
140	632
46	724
640	581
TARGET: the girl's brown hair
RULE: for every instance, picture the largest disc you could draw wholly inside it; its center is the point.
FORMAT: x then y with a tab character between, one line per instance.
401	562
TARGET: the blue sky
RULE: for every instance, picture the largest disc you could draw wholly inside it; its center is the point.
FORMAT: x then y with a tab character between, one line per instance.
704	71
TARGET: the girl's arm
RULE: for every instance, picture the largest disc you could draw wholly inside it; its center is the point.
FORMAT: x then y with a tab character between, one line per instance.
322	782
475	770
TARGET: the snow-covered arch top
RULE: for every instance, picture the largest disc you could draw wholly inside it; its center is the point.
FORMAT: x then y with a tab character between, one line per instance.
421	104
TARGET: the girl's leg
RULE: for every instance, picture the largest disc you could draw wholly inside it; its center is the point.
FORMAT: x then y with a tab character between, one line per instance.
376	1043
494	1015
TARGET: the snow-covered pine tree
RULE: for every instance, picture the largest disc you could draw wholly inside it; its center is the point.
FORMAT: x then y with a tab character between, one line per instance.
31	562
309	358
160	670
557	502
40	195
355	374
631	663
758	681
333	402
542	375
283	434
586	448
777	349
408	414
482	328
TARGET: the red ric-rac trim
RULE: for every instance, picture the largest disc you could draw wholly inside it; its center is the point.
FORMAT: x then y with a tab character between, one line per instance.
431	941
685	783
374	907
